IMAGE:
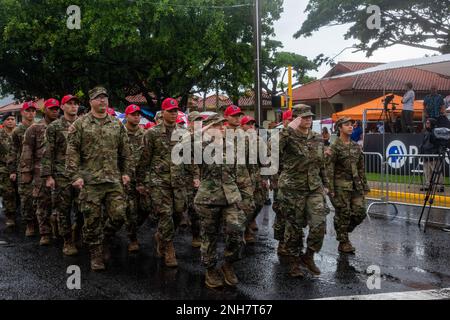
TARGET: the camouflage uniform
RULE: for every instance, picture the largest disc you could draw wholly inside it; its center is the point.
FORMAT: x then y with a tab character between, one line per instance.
279	224
64	197
301	189
137	205
168	194
98	152
260	192
27	206
218	201
348	183
7	187
30	163
245	183
192	172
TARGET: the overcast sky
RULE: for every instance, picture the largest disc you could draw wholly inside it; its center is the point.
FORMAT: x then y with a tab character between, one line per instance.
330	40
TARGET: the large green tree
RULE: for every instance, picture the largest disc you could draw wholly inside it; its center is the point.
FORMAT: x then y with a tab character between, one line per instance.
276	64
416	23
167	47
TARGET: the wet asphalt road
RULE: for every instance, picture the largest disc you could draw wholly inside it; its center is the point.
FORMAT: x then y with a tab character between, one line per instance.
408	260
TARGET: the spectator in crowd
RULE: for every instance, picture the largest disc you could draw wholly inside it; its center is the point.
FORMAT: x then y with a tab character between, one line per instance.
408	109
447	102
430	148
357	132
433	103
326	136
380	127
442	120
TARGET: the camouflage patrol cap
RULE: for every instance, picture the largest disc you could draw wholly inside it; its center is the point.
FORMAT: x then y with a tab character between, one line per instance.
194	116
341	121
158	116
214	119
95	92
301	110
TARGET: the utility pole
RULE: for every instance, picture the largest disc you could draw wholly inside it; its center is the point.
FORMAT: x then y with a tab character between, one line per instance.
258	76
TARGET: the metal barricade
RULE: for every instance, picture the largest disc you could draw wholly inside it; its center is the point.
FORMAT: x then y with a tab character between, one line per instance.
375	169
408	178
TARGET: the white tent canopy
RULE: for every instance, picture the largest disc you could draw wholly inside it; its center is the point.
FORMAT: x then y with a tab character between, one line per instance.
438	64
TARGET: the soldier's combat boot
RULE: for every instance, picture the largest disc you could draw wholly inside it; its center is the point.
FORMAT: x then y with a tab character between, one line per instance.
54	226
133	246
159	245
45	240
107	248
253	225
69	249
308	260
97	261
184	222
281	250
196	242
249	236
294	268
76	235
31	230
10	223
213	278
346	247
229	275
169	258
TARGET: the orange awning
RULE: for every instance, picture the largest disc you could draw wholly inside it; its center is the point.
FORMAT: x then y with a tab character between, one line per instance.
356	113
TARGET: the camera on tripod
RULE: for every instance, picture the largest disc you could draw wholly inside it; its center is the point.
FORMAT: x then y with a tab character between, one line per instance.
388	100
441	137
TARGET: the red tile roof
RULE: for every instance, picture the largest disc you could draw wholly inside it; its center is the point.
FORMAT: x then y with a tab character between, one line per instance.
10	107
324	89
390	80
347	66
395	80
248	100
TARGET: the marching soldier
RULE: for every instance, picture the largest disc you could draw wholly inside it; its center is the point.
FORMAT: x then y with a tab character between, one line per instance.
302	186
99	164
217	202
279	225
192	186
168	193
136	212
27	208
7	187
232	115
348	184
30	169
259	183
64	196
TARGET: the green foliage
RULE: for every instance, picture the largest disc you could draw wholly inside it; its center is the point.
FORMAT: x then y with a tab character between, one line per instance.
167	47
408	22
276	63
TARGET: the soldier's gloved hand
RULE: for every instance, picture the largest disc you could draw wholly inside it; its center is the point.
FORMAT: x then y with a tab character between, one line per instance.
126	180
196	183
50	182
326	191
78	184
13	177
26	177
